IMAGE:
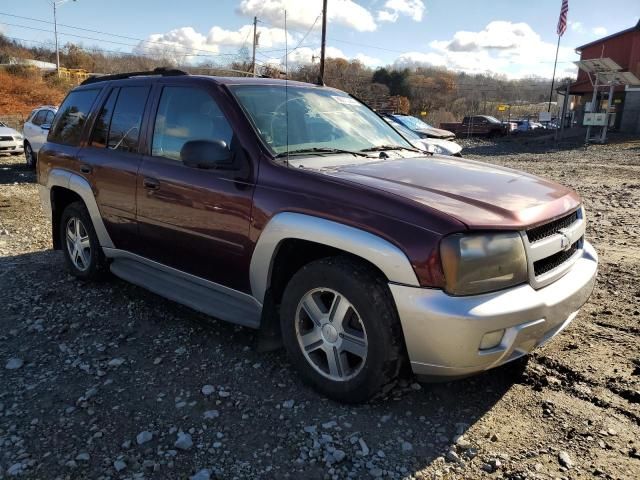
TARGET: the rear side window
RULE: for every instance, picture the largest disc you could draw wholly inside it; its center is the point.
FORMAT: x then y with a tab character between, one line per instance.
124	130
39	118
186	114
73	113
101	128
118	125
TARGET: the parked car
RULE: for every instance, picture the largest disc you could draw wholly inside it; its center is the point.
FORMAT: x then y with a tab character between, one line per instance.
423	129
10	140
431	145
510	126
35	131
485	125
359	252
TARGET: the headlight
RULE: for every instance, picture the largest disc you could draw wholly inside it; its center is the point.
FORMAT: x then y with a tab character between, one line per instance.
436	149
480	263
17	137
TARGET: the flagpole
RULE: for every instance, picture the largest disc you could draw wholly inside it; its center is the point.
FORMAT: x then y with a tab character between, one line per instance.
554	74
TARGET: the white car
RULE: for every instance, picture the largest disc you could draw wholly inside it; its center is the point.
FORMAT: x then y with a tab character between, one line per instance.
10	140
431	145
35	131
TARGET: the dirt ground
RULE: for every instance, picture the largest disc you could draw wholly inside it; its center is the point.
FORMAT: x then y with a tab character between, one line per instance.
106	380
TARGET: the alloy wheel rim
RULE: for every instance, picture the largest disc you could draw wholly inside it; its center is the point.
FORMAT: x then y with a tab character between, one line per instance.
78	244
29	155
331	334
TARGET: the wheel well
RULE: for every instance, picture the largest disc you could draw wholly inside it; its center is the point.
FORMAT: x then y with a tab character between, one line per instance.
293	254
60	198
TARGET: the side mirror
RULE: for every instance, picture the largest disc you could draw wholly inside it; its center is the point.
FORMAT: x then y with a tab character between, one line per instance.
45	126
206	154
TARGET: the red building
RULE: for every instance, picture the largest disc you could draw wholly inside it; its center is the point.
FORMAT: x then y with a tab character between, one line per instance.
623	48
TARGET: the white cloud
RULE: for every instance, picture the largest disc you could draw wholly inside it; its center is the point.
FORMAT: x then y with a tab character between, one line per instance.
187	45
303	14
394	8
576	26
304	55
268	37
180	44
367	60
600	31
514	49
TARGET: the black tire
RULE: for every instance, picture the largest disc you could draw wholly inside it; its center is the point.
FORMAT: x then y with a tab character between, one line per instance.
29	155
95	261
369	295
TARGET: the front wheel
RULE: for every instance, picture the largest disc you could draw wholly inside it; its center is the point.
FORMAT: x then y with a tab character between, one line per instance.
29	155
80	245
341	329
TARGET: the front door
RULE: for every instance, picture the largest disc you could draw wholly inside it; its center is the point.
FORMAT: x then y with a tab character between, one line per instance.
194	219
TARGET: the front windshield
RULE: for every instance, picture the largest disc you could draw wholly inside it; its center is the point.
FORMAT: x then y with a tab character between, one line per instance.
412	122
311	117
2	124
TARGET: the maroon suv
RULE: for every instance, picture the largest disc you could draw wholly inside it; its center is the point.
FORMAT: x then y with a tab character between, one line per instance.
295	209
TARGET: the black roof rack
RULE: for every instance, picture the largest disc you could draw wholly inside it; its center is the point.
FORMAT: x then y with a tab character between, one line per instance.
162	71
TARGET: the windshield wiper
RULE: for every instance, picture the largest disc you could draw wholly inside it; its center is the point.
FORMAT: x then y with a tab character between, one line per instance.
301	151
383	148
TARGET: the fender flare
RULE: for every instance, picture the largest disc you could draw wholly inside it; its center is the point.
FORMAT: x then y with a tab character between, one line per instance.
59	177
288	225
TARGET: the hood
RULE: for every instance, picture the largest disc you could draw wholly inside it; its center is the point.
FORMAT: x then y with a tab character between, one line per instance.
480	195
435	132
9	131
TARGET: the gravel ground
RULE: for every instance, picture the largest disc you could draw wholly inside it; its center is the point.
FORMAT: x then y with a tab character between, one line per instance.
109	381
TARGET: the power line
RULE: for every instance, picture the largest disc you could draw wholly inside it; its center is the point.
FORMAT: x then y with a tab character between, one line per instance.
166	44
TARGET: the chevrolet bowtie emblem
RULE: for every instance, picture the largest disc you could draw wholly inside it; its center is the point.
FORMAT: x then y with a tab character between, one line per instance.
565	241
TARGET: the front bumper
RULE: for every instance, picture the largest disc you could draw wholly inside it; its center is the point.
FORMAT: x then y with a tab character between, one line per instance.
443	333
14	146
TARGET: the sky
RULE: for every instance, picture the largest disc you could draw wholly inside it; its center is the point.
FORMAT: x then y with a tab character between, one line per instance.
511	37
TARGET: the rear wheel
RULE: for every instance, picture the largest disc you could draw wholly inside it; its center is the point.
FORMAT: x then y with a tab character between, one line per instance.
80	245
29	155
341	329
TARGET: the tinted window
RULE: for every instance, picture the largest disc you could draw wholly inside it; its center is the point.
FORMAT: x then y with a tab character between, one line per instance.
39	118
73	113
124	130
101	128
186	114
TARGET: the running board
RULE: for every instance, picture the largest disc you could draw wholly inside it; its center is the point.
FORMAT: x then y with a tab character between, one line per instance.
194	292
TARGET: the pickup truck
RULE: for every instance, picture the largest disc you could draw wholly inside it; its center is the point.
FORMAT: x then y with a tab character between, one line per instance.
485	125
296	210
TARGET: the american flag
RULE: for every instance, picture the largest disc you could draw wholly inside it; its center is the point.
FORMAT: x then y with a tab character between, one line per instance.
562	21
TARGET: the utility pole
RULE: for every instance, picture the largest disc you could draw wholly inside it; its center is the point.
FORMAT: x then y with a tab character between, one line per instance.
255	44
324	42
55	32
55	4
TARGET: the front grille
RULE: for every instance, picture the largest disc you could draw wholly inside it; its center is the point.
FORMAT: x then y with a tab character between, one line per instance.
6	139
547	264
543	231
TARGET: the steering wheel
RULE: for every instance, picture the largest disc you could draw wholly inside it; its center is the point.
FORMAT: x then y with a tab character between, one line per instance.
276	110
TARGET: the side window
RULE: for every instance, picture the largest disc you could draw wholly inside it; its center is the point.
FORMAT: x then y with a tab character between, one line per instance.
101	128
186	114
39	118
73	113
124	130
49	117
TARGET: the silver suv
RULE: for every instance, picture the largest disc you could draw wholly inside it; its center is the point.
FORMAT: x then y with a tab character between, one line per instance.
35	131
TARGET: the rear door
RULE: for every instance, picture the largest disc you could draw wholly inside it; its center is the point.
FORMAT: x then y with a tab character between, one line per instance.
194	219
111	160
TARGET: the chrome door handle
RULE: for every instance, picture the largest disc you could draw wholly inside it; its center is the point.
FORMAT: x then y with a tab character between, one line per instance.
150	184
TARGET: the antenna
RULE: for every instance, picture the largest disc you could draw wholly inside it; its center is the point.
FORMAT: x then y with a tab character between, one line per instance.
286	83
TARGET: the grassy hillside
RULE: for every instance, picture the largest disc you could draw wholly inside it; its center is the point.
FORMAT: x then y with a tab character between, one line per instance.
19	94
